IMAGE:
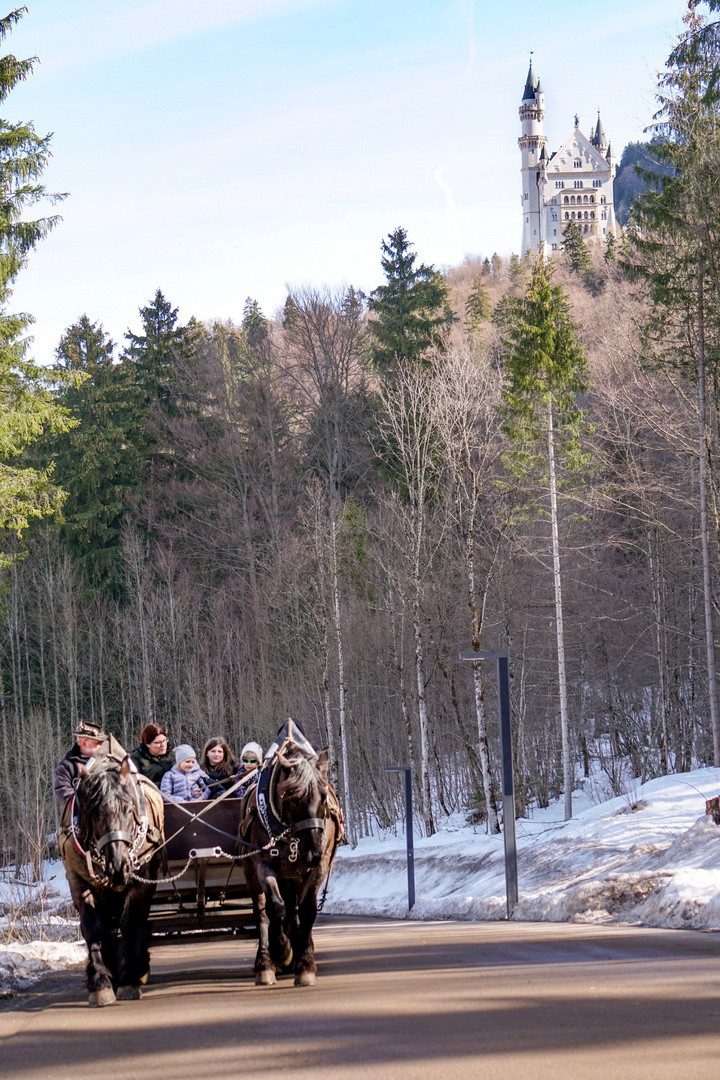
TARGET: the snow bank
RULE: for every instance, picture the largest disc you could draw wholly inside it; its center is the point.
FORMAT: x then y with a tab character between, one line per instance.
649	857
23	963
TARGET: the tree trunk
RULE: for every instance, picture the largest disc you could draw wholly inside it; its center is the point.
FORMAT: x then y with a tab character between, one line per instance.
704	538
568	779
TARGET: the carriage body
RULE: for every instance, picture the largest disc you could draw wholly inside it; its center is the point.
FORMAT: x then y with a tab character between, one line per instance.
212	894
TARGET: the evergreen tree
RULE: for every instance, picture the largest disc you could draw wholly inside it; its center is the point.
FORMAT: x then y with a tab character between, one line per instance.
29	407
477	307
98	463
546	373
159	364
673	246
412	309
576	250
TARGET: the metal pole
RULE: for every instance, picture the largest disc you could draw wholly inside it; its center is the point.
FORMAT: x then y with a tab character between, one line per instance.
508	786
408	830
508	794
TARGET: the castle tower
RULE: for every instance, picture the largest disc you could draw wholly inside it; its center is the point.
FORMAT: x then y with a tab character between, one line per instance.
532	147
575	184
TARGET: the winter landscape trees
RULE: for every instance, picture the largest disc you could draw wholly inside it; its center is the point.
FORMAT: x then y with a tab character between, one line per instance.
311	513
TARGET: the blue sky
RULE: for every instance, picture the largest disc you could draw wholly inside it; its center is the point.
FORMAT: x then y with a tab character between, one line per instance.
226	150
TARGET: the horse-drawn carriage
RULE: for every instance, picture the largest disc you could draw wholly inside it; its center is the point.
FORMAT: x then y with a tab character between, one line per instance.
205	887
135	864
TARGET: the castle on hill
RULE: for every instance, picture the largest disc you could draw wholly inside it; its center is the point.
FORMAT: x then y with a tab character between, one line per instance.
573	184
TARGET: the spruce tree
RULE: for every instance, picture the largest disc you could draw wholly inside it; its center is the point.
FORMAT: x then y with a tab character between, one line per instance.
29	407
576	250
546	373
98	463
672	245
412	308
478	308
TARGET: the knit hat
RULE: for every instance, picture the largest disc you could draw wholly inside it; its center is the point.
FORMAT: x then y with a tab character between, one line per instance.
183	752
252	748
85	729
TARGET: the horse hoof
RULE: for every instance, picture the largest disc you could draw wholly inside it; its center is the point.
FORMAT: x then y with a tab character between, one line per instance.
98	998
145	979
265	978
129	993
305	978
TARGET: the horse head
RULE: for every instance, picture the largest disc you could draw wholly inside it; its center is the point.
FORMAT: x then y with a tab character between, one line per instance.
109	819
301	798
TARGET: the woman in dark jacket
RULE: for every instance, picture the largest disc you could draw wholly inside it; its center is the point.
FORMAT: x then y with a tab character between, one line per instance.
151	754
218	762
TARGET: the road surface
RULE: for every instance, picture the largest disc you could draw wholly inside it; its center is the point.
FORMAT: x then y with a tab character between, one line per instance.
396	1001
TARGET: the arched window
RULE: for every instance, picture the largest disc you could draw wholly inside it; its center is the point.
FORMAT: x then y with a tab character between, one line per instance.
592	214
566	199
566	215
585	198
572	199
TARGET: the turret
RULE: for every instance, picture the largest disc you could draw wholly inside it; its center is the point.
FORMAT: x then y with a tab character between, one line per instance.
534	160
598	138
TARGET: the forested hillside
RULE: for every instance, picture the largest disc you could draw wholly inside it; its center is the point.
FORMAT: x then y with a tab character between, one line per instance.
312	512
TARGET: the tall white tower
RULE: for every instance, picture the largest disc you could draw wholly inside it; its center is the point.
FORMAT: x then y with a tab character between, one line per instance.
534	160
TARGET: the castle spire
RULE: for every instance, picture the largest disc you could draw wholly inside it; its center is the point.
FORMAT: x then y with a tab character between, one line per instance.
530	83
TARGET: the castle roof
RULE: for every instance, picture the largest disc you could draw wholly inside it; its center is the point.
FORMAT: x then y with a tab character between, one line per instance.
599	138
577	146
530	84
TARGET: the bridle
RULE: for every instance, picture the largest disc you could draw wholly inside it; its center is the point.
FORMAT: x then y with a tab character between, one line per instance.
135	840
269	813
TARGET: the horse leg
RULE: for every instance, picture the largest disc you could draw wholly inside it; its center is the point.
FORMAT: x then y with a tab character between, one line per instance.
264	967
134	955
305	966
280	944
98	977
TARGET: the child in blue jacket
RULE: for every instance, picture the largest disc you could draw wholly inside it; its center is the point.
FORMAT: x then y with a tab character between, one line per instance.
186	780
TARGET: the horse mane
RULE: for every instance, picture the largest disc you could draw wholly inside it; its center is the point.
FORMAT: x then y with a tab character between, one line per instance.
104	793
305	779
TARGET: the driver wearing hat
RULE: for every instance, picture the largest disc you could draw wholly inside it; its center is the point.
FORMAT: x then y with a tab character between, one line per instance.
89	737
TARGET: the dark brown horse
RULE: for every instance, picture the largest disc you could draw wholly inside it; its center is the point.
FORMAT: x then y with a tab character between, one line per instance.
294	816
109	838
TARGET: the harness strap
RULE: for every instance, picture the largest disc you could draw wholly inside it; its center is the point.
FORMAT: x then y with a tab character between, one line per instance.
308	823
116	834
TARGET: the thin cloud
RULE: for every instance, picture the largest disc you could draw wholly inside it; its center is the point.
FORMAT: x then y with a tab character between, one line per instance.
122	29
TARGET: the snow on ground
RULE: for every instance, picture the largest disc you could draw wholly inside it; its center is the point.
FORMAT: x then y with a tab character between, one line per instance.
649	857
38	927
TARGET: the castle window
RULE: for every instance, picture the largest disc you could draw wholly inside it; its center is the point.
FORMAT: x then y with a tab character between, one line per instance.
577	163
586	213
559	183
566	199
602	198
592	198
566	215
603	216
603	232
554	247
578	183
597	183
554	232
525	195
573	215
572	199
592	214
554	217
585	198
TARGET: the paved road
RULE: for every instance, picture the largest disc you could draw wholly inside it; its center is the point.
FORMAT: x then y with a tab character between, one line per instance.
397	1001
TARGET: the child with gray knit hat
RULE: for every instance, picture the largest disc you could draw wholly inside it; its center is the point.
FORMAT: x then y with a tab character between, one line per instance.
186	780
